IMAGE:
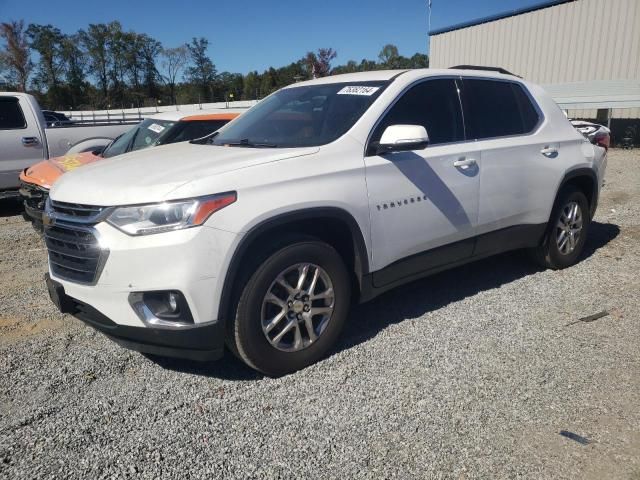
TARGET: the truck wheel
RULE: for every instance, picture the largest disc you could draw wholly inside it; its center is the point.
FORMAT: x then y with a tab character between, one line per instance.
292	309
566	232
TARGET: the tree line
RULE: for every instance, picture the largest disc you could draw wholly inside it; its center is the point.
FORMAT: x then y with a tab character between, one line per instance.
104	66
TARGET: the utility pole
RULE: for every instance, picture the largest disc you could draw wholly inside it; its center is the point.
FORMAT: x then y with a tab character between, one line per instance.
429	28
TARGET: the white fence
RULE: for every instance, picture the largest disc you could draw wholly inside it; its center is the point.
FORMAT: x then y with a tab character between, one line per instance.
132	114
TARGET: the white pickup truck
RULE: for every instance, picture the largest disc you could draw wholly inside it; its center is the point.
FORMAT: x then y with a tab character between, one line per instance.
25	139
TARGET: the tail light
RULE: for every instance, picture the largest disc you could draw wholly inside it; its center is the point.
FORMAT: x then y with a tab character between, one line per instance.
602	139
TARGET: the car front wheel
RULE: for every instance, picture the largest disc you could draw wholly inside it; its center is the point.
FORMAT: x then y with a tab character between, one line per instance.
292	309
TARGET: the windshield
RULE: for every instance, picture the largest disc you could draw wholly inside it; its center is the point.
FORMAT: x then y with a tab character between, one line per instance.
147	133
301	116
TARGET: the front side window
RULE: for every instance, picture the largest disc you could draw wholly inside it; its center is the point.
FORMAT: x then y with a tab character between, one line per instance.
304	116
496	109
434	104
11	116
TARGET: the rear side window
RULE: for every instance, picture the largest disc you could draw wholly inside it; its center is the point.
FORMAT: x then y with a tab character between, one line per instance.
11	116
496	109
434	104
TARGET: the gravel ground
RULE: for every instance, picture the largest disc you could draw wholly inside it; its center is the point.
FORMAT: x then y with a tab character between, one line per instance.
469	374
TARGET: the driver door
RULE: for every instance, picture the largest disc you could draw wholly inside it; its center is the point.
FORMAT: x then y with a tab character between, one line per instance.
423	203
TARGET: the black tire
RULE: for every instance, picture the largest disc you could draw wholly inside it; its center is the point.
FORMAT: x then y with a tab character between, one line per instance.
246	334
548	254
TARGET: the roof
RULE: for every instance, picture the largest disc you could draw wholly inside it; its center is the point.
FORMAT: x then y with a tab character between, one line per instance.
499	16
596	94
386	75
214	114
370	76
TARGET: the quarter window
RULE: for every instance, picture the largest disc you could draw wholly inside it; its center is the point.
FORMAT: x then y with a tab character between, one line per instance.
11	116
435	105
496	109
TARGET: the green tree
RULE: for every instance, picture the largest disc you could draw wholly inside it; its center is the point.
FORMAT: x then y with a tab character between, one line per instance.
251	86
350	67
16	56
173	63
268	82
389	56
292	73
203	71
47	41
419	60
368	65
96	43
150	49
74	62
319	64
118	43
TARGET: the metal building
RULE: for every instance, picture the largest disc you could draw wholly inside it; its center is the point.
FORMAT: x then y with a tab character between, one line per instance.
586	52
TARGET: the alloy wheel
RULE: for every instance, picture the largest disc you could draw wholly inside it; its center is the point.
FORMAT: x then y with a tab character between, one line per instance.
569	228
297	307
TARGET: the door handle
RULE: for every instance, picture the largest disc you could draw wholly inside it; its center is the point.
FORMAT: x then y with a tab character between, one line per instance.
30	141
464	163
549	152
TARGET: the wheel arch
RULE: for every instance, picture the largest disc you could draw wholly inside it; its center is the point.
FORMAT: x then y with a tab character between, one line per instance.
586	180
334	225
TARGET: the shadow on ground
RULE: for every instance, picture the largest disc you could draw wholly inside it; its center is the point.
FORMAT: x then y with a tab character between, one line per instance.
410	301
10	207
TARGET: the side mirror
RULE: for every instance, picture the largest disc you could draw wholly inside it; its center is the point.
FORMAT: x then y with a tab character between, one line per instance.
402	138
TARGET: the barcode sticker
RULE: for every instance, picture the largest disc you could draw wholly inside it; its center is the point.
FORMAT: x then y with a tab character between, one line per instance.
154	127
358	90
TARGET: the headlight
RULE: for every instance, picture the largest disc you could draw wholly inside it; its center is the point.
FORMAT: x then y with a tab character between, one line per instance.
168	216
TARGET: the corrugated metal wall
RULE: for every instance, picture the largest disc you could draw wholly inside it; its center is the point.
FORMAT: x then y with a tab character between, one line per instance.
572	42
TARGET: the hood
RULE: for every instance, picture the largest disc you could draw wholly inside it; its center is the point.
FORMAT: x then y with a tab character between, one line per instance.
151	175
45	173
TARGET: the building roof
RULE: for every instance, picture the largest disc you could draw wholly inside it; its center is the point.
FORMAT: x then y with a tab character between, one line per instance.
596	94
499	16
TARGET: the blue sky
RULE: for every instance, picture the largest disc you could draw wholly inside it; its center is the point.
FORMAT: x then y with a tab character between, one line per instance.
253	35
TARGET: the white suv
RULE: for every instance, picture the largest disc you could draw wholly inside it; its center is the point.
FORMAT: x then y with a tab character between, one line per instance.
326	193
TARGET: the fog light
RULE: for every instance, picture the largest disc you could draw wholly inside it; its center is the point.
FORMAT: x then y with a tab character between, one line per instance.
168	308
173	302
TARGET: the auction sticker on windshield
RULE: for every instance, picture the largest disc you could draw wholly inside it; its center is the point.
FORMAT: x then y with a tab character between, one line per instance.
154	127
358	90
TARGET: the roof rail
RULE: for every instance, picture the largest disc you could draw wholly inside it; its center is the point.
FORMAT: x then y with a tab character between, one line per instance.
486	69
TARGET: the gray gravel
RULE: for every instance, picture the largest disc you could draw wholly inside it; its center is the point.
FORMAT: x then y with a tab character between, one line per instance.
469	374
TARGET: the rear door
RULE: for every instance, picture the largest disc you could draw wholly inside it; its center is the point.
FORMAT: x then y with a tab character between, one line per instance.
20	141
423	199
518	161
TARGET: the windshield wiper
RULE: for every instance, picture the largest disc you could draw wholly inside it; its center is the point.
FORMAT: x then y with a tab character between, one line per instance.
246	143
206	140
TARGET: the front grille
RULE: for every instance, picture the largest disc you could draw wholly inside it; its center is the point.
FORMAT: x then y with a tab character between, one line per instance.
76	210
74	254
74	250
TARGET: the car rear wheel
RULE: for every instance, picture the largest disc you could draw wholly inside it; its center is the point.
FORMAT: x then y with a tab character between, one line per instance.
567	231
292	308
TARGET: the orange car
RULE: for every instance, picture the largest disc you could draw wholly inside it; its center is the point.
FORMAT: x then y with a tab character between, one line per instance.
160	129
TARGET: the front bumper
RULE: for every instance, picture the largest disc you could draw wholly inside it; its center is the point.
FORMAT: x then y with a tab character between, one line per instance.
201	342
189	261
34	198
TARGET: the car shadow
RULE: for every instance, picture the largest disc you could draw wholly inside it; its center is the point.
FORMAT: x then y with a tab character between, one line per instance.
227	368
10	207
410	301
423	296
